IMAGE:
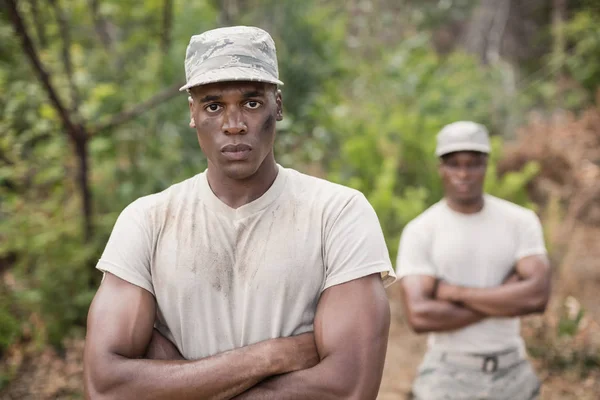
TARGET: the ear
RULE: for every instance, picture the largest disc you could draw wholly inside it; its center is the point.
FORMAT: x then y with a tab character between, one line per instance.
279	102
191	104
440	168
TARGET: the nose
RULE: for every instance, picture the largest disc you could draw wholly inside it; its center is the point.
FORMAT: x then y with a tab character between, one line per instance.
233	122
462	173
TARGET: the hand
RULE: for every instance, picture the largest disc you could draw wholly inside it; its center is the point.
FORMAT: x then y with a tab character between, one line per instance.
161	348
299	352
446	291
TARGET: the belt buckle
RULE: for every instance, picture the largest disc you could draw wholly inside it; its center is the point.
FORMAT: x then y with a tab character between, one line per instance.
490	360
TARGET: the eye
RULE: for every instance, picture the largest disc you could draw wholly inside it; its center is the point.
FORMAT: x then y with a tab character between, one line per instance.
252	104
212	107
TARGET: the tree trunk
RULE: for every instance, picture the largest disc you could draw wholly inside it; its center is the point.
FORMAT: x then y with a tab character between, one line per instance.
83	184
559	11
75	131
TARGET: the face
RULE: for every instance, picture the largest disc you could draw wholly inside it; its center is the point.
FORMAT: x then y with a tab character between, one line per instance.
463	175
235	124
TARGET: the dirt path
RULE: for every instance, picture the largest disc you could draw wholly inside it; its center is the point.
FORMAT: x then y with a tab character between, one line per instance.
405	350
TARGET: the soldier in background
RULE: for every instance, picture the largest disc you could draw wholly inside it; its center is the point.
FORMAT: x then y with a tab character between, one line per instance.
470	266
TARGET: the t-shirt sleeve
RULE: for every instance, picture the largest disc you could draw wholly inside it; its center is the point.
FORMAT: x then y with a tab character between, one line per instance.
530	237
414	253
355	246
127	253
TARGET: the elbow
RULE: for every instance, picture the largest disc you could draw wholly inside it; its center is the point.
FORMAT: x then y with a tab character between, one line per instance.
352	378
417	320
349	387
417	326
356	391
95	388
539	304
100	380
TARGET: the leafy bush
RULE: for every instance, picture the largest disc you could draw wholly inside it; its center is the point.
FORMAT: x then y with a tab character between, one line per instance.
379	136
566	341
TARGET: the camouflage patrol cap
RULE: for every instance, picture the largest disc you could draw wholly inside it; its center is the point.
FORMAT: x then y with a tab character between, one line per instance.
237	53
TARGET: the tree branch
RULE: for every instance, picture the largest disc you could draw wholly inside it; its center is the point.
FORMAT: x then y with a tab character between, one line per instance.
39	25
66	53
165	39
496	32
76	132
101	26
5	159
137	110
28	47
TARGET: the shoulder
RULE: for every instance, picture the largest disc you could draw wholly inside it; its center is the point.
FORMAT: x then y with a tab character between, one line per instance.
161	201
425	222
320	192
510	211
329	204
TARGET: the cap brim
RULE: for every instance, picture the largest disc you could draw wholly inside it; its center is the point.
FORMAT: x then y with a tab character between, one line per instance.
231	74
482	148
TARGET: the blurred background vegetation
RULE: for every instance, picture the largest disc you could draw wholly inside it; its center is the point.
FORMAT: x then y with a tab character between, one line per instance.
91	119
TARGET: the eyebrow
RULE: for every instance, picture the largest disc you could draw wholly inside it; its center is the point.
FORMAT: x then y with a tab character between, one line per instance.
253	93
246	95
210	97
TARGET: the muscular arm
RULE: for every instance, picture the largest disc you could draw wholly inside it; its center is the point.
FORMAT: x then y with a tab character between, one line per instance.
527	295
427	314
351	331
120	327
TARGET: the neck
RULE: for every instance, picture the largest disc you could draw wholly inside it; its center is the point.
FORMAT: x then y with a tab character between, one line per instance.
238	192
466	207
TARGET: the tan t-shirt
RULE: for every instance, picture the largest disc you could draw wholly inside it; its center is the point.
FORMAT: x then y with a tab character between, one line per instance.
225	278
476	250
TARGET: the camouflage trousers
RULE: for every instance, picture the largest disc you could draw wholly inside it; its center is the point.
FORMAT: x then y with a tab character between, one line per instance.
440	379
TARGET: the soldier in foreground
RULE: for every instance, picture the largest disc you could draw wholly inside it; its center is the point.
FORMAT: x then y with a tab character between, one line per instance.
248	280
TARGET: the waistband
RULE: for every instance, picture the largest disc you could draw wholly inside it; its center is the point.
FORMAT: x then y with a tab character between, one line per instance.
486	362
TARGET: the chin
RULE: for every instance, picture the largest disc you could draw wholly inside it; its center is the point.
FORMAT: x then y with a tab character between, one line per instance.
239	170
468	198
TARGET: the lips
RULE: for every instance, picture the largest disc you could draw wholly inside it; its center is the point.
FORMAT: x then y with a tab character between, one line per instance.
236	152
462	186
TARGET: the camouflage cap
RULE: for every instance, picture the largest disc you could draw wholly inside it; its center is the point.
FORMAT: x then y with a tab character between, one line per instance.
237	53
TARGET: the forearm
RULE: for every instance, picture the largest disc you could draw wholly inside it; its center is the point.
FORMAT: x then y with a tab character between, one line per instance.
507	300
218	377
351	330
326	381
440	315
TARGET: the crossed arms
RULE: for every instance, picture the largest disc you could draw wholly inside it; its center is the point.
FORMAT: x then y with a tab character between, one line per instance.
344	357
433	305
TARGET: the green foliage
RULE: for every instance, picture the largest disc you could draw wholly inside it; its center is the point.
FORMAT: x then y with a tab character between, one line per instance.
367	114
510	186
40	203
380	134
583	32
9	324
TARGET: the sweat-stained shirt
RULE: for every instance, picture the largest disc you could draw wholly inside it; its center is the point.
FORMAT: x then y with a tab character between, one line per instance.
225	278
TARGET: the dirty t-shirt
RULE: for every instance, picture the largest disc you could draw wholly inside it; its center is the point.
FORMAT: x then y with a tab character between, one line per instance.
225	278
475	250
